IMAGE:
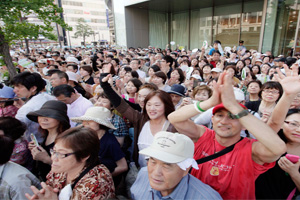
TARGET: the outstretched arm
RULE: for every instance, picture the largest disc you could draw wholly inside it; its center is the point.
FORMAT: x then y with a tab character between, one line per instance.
181	117
291	87
269	146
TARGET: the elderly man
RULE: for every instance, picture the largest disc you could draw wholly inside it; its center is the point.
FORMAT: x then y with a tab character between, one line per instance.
166	175
233	175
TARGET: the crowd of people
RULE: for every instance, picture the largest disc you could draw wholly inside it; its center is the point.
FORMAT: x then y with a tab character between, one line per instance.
150	123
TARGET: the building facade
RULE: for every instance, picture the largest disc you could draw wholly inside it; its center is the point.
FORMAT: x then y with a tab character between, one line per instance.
94	13
262	24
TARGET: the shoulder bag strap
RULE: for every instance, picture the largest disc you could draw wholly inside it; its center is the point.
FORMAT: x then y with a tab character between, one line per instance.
216	155
81	175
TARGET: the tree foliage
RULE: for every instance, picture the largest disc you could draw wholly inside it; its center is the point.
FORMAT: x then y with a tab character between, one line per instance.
14	26
13	13
83	30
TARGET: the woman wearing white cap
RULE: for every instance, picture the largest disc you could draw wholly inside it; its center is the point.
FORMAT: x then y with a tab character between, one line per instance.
110	154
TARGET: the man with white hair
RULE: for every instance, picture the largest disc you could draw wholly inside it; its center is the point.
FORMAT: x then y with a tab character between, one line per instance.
166	175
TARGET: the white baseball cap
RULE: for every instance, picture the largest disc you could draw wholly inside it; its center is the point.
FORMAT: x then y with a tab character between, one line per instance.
216	69
239	94
170	147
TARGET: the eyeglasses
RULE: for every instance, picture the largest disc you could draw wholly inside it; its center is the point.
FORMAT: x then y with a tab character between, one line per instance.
292	124
271	91
60	155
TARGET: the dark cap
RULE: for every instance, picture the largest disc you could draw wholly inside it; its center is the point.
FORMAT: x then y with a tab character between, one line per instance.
177	89
280	60
241	41
53	109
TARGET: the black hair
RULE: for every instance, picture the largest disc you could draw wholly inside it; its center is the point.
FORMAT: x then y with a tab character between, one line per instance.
12	127
64	89
155	68
272	85
255	81
134	74
168	59
216	51
29	80
217	42
136	82
6	148
290	112
59	73
135	59
257	67
74	66
117	60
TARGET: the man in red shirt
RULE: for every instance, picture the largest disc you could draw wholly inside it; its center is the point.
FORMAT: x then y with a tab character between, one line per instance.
233	174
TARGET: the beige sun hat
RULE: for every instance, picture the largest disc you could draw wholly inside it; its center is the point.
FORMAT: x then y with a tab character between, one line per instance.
72	76
97	114
170	147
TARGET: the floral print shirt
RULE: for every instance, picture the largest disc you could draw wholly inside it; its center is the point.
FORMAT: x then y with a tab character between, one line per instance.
96	184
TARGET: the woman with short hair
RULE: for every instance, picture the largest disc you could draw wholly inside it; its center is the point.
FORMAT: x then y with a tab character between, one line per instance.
75	172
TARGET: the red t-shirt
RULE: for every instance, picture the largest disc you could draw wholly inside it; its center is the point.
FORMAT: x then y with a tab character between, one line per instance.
214	63
233	174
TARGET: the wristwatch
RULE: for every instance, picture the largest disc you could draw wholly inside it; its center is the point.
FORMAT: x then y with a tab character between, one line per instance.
241	114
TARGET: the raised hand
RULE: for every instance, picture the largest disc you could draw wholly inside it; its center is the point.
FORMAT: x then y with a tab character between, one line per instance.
106	78
39	153
226	91
288	166
291	82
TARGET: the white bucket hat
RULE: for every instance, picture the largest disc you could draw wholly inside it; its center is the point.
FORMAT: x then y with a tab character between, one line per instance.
170	147
97	114
72	76
72	59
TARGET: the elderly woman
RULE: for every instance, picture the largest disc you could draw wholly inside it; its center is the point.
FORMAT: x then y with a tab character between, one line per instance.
75	172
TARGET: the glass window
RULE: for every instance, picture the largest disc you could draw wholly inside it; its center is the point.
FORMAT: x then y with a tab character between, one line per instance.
200	27
179	29
285	28
251	24
227	24
158	29
71	3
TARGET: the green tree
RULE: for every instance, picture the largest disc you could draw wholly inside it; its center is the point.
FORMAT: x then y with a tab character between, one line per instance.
14	26
82	30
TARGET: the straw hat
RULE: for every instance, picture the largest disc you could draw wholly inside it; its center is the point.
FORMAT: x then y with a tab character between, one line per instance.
97	114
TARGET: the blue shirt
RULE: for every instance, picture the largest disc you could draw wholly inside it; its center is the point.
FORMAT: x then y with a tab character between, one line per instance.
188	188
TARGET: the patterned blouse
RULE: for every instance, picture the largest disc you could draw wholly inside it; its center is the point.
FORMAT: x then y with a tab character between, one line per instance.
96	184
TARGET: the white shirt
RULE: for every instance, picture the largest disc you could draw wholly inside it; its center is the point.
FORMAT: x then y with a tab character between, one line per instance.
141	73
35	103
78	108
145	140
